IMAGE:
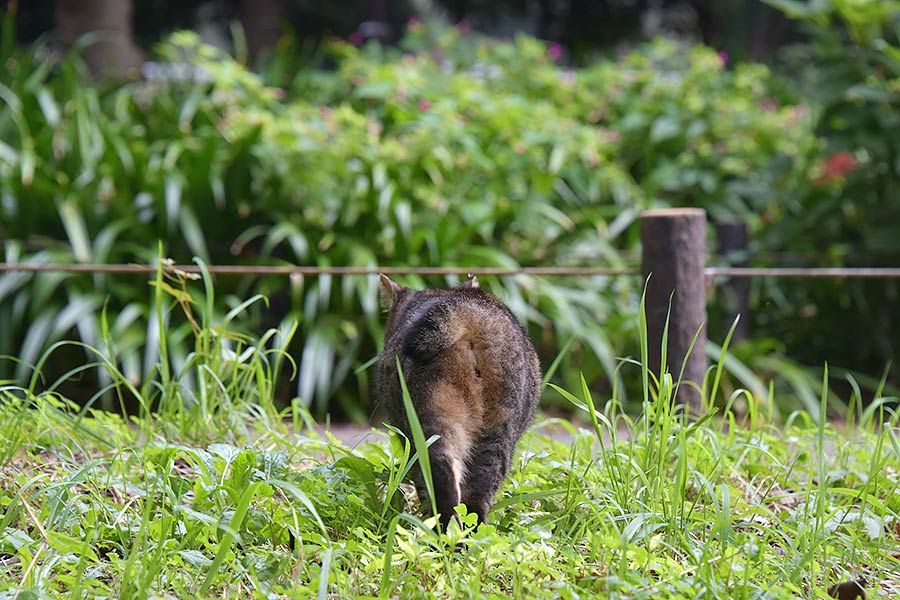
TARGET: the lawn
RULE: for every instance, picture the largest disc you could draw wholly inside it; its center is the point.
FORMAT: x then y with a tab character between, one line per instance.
209	490
92	508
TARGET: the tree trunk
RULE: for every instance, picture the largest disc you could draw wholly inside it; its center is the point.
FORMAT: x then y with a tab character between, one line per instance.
261	20
112	51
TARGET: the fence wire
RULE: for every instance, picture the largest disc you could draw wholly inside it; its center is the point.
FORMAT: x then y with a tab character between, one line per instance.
799	272
288	270
308	270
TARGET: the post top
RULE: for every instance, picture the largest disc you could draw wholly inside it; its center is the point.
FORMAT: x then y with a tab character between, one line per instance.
656	213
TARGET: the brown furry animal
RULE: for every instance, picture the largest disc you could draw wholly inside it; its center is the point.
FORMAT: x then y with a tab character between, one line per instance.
474	379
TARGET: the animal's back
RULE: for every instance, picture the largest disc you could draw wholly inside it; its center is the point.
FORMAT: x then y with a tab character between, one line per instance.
468	340
474	379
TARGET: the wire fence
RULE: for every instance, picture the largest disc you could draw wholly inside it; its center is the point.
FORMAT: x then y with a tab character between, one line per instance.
310	270
288	270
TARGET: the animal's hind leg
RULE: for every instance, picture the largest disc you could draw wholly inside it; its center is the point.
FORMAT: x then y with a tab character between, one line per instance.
444	414
445	476
488	465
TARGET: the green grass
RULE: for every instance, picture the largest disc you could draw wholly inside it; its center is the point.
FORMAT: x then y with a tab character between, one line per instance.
93	508
211	491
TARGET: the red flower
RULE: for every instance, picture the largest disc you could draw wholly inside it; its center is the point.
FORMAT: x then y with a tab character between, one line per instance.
838	165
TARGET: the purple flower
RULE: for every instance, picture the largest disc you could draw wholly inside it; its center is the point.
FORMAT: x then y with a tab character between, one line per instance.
413	22
723	56
554	51
464	26
356	38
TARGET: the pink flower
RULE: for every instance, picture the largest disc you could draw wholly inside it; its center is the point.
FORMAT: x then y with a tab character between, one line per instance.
424	104
554	51
413	22
356	38
723	56
464	26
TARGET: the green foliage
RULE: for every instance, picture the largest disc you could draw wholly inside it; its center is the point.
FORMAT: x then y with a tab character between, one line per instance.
452	150
95	505
850	68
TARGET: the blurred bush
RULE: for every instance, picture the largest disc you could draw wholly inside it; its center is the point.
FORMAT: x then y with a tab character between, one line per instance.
451	149
849	68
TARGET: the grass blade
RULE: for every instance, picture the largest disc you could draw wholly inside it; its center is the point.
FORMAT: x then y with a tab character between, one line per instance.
419	442
231	532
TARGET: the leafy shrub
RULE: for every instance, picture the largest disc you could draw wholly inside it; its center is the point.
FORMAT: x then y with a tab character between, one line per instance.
451	150
850	69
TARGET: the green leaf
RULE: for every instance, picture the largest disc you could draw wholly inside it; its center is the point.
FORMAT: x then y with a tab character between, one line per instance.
664	128
193	233
557	158
173	188
48	106
76	230
195	558
230	533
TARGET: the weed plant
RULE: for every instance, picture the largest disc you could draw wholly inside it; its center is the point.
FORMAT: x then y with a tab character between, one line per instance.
211	491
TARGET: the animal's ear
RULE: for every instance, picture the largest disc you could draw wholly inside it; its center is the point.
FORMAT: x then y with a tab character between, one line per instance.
471	282
389	292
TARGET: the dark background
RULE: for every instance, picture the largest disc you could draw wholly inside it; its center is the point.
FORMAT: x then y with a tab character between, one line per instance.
743	28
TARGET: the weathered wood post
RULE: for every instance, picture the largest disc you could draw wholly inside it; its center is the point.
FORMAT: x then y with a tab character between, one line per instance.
674	257
732	244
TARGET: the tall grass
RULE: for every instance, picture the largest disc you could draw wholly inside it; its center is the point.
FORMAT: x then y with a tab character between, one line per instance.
225	384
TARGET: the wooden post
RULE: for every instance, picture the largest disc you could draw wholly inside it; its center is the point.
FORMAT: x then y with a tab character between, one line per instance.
674	257
732	244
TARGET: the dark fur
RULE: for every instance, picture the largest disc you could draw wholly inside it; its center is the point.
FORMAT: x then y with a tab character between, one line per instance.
474	379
